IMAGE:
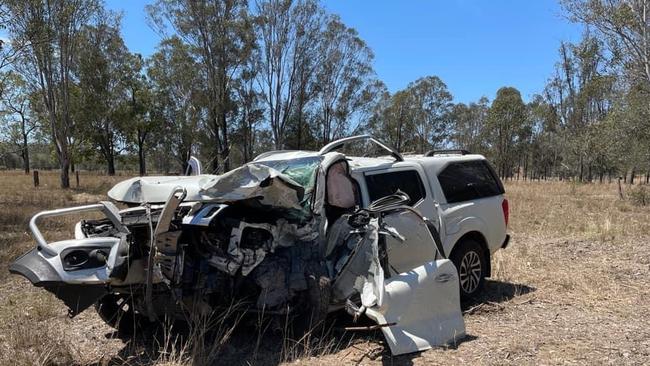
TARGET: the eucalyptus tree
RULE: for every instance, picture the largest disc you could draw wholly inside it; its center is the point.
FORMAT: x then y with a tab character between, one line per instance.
17	121
624	26
506	118
289	36
343	79
141	128
50	29
468	125
220	33
401	121
431	111
250	112
582	92
179	98
101	66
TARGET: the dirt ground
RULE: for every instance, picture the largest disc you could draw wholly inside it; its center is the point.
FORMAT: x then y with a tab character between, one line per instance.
572	288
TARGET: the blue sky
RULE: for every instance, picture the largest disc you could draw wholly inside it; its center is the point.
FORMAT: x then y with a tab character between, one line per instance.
474	46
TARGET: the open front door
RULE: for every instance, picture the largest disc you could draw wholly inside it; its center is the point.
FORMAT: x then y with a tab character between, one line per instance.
421	299
418	304
424	306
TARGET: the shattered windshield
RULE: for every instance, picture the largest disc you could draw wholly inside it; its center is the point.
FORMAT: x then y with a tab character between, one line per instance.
301	170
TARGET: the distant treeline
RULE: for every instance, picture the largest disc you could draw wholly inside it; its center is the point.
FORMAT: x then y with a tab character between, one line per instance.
232	78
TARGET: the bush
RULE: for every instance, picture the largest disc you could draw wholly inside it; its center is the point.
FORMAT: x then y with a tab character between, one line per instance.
640	195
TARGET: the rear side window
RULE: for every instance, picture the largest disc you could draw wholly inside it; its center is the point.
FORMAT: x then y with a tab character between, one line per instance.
469	180
384	184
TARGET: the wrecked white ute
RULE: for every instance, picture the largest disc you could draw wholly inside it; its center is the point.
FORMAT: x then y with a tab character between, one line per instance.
285	237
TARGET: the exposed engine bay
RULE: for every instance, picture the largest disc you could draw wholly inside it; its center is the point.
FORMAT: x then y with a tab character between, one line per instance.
271	235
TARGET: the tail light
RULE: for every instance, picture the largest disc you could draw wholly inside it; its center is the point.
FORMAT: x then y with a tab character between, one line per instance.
506	210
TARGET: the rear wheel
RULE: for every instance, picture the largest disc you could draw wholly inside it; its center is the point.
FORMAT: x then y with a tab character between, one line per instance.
469	259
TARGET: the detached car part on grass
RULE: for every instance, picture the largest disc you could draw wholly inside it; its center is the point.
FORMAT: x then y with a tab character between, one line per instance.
283	236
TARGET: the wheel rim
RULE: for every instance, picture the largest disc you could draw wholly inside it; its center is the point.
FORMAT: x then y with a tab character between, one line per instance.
470	272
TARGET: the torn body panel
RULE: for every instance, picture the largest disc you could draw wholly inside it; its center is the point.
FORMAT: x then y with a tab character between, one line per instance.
359	272
267	186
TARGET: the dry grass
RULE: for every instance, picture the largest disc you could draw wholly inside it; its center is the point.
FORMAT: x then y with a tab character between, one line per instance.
572	288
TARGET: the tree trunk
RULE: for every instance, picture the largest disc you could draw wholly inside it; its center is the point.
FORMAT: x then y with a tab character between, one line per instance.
110	164
64	164
526	169
25	154
141	159
63	154
225	149
216	164
581	170
632	174
620	189
299	142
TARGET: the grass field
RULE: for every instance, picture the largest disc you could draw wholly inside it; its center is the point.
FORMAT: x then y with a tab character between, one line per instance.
572	288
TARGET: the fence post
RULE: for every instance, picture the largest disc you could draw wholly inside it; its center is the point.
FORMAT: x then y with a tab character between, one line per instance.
36	181
620	189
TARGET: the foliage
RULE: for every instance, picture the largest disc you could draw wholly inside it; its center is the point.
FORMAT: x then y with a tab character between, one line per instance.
639	195
231	79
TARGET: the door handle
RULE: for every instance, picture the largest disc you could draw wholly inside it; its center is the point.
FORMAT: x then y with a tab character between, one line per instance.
445	277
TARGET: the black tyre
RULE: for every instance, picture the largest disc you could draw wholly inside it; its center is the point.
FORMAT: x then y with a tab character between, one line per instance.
469	259
117	311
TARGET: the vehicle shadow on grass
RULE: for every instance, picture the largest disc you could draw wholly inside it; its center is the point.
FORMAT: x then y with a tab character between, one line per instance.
248	345
495	292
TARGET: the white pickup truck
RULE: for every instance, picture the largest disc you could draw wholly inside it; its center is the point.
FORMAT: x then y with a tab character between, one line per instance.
300	233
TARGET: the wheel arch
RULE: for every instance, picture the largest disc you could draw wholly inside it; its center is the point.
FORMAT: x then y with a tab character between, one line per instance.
480	239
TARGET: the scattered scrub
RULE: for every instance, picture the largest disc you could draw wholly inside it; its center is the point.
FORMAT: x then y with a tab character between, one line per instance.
639	195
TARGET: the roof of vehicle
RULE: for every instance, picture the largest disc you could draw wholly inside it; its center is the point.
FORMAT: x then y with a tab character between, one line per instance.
439	162
436	162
